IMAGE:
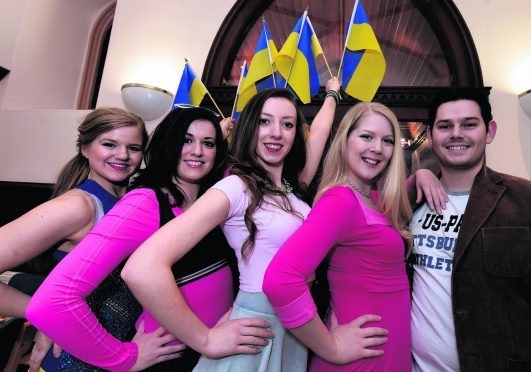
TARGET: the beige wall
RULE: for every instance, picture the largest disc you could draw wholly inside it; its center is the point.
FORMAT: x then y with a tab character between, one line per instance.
43	43
36	148
150	39
49	53
10	28
502	35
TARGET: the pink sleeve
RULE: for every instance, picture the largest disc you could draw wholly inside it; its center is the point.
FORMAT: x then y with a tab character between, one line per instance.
285	279
59	309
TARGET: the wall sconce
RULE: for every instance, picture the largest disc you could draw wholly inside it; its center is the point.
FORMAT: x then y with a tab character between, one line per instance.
147	101
525	101
3	72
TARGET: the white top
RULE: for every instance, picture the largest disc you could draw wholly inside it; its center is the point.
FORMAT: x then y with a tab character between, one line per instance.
432	321
274	227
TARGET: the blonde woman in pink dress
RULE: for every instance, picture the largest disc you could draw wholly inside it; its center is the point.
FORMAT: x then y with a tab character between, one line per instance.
358	220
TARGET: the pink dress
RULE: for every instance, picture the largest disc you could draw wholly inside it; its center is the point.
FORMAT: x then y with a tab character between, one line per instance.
367	275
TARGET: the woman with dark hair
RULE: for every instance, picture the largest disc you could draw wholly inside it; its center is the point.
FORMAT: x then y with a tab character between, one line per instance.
86	308
258	206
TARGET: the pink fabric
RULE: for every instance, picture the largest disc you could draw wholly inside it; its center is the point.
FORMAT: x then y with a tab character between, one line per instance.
58	308
366	275
209	298
274	227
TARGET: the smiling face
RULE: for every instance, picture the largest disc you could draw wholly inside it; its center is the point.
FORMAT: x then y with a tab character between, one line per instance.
276	132
459	135
114	156
198	153
369	149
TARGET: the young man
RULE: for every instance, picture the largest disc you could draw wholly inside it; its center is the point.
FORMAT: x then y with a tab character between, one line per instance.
471	307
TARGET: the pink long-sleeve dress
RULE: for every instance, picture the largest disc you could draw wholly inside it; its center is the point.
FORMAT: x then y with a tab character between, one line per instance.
60	309
366	275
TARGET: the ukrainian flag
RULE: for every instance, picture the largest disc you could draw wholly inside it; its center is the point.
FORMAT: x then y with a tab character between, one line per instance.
191	90
243	74
261	73
296	60
364	63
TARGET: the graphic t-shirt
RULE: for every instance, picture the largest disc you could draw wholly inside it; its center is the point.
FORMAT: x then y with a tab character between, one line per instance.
432	323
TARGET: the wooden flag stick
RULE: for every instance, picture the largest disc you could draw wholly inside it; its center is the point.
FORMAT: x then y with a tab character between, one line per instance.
269	54
324	57
207	92
348	35
238	90
214	102
298	41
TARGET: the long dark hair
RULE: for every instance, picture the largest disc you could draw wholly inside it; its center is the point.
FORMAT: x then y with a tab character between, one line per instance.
164	150
97	122
245	164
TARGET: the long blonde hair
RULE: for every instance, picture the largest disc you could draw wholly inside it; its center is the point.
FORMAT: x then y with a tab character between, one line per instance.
391	183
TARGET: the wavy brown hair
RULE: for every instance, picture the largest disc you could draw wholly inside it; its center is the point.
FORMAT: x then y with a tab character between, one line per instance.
244	163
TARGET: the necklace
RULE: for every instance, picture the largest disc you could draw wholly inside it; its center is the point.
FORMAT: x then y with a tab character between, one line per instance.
287	187
361	192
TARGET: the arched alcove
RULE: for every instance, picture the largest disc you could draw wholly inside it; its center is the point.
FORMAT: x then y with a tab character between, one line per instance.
430	37
409	101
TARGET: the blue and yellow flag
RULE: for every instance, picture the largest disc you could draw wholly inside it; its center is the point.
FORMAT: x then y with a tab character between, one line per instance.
243	74
296	61
261	72
191	89
364	63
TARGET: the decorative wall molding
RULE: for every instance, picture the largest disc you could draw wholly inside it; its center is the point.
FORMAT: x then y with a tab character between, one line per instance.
90	71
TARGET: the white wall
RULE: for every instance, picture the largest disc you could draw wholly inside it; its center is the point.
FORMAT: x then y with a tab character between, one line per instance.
502	35
150	40
35	148
47	55
11	19
44	44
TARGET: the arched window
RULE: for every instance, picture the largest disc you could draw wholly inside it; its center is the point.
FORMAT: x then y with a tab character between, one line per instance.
426	44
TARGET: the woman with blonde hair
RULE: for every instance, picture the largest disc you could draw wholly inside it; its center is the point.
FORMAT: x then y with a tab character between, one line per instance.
358	220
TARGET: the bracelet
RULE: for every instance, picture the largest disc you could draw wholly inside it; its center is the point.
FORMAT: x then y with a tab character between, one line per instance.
333	94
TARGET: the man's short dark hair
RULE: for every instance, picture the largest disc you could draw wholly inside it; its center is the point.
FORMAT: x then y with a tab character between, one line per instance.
456	94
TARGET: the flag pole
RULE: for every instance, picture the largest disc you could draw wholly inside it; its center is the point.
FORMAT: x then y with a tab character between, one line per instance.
324	57
207	92
300	34
238	89
348	34
269	53
214	102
